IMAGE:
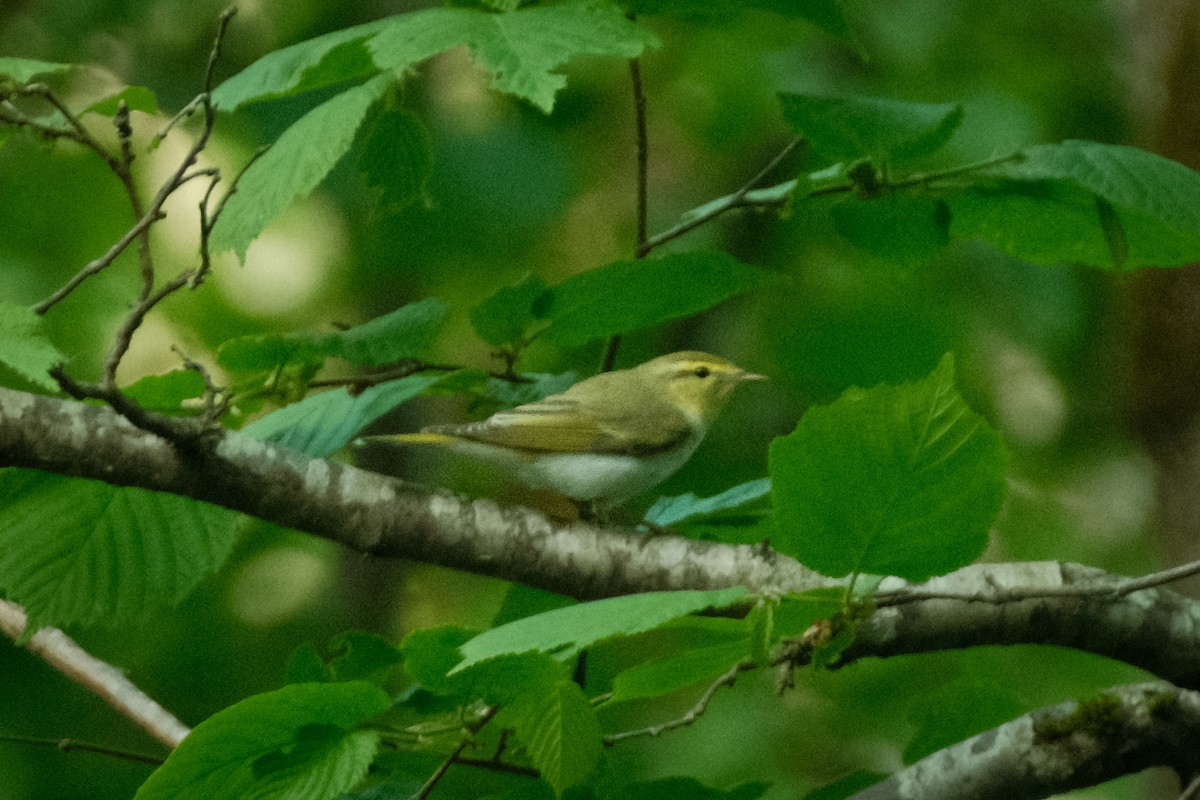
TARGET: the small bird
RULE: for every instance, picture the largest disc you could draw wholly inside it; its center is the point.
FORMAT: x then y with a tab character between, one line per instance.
608	437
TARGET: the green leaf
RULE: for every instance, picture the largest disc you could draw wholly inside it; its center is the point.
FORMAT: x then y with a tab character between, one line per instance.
296	742
395	156
687	789
24	70
560	731
74	551
849	128
22	347
298	161
430	654
896	480
336	57
322	424
906	229
566	631
629	295
521	49
522	601
671	510
358	655
137	98
505	317
677	671
407	332
509	679
1085	202
305	665
957	711
166	392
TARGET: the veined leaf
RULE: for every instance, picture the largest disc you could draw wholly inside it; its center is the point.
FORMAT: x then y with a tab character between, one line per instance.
677	671
849	128
75	551
298	161
297	742
560	730
565	631
166	392
895	480
22	347
506	316
520	48
629	295
323	423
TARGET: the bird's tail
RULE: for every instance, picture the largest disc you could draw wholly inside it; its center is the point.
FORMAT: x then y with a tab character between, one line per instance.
408	438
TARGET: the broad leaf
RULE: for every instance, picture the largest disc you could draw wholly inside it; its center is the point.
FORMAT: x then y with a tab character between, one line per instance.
521	49
23	349
629	295
298	161
297	742
24	70
905	229
671	510
849	128
74	551
566	631
407	332
560	731
322	424
166	392
895	480
677	671
506	316
956	711
430	654
136	98
395	157
1097	204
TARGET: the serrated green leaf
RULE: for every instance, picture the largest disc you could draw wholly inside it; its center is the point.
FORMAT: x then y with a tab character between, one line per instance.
521	49
22	347
322	424
566	631
298	161
672	510
407	332
137	98
166	392
1084	202
23	70
327	60
560	732
299	739
395	157
687	789
506	316
74	551
896	480
629	295
906	229
849	128
677	671
509	679
430	654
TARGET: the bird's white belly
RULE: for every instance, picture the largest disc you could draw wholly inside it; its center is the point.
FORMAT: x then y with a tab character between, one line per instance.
594	476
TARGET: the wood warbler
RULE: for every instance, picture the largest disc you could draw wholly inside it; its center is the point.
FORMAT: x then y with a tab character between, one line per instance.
606	438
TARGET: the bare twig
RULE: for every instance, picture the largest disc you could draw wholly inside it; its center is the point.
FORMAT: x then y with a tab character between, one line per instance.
102	678
714	210
67	745
485	717
727	678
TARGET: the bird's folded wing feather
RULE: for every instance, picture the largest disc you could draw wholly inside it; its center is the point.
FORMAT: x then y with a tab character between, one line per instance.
556	425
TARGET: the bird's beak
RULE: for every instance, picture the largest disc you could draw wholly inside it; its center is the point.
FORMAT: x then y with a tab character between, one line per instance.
751	376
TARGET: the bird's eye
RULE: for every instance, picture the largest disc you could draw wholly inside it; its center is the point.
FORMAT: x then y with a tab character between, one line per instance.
701	372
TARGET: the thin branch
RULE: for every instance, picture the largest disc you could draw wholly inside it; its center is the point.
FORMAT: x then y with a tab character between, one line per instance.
488	714
67	745
716	209
728	678
102	678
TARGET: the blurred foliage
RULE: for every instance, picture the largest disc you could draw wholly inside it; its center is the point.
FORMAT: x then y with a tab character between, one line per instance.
513	191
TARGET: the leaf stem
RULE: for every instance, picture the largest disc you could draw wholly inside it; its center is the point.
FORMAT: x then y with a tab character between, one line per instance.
66	745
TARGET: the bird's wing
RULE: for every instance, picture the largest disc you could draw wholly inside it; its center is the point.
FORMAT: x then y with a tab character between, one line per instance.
556	425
